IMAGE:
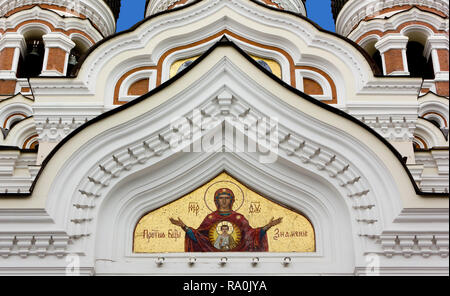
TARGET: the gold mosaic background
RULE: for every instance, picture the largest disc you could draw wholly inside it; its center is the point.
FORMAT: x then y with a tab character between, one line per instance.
156	234
274	66
176	65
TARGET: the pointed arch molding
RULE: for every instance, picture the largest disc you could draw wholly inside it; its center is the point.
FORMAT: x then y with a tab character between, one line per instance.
144	45
292	146
399	22
146	173
49	21
352	15
97	11
290	72
100	180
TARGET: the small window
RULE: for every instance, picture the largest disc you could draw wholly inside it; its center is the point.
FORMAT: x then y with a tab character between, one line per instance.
264	65
436	123
416	146
31	64
185	65
378	60
417	63
80	49
14	122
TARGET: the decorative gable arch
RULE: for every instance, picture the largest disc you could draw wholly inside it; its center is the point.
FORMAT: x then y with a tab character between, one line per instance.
329	166
290	40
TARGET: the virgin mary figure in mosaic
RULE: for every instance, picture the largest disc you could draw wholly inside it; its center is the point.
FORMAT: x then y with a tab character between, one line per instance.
225	230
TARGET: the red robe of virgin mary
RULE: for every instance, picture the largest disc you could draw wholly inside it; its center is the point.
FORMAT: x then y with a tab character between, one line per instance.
252	239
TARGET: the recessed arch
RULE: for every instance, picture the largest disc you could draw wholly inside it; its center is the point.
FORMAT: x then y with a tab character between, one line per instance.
31	142
368	43
144	200
438	118
330	165
22	134
154	233
123	87
419	143
30	65
82	45
326	90
429	135
30	29
198	47
13	119
417	33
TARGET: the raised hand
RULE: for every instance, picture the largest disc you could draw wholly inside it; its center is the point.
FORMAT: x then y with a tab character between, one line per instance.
273	223
178	222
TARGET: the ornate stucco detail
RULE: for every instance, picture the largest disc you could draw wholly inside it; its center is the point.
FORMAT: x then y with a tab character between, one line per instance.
291	5
344	166
393	128
349	13
225	110
17	171
156	6
33	244
54	129
414	244
431	170
102	14
393	121
54	123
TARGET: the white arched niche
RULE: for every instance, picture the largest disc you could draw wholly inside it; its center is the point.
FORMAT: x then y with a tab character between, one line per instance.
168	180
330	175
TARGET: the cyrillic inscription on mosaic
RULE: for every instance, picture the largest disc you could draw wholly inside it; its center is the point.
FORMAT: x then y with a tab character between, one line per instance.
223	216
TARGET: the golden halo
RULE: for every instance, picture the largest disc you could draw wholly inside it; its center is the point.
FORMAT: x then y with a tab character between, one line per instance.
236	234
229	224
237	190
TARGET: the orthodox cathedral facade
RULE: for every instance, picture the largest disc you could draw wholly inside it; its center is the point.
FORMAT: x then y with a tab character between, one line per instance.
224	137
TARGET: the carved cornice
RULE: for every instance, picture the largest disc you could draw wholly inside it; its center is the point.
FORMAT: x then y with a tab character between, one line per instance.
409	244
33	244
102	14
55	122
224	111
54	129
86	80
432	170
394	122
156	6
47	21
411	19
350	13
393	128
12	160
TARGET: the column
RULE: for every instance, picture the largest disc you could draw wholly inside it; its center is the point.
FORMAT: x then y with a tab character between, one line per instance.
57	50
12	46
437	49
393	53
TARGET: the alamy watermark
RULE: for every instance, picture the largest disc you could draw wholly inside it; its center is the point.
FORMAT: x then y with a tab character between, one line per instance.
209	134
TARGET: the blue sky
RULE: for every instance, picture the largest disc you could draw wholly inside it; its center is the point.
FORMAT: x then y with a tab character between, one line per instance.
132	11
